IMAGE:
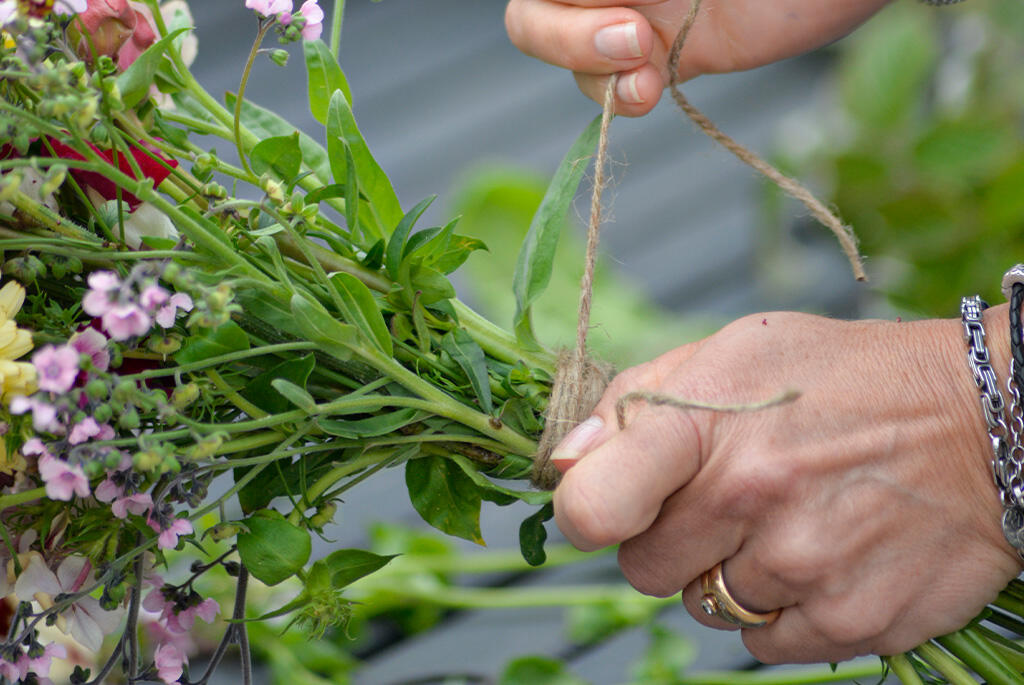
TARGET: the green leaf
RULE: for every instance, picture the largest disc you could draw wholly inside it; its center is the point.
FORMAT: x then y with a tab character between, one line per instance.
538	670
346	566
324	78
965	151
294	394
461	347
360	309
396	244
266	124
445	496
213	342
135	81
372	427
317	325
260	392
273	549
537	255
374	258
533	535
280	154
343	132
352	194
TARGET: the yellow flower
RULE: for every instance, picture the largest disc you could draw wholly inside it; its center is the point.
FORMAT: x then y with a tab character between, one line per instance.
11	462
16	378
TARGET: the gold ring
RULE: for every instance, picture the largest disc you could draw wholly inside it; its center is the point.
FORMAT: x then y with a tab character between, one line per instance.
716	601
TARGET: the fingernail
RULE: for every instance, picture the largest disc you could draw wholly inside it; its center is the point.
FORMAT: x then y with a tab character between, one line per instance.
578	439
619	41
626	89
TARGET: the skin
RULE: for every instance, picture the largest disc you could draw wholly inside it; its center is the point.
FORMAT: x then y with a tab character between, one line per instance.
866	509
729	35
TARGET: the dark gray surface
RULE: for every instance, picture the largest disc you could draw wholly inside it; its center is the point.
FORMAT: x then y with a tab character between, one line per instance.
439	90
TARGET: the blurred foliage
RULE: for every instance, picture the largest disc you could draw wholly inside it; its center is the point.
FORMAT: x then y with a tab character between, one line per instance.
925	156
497	204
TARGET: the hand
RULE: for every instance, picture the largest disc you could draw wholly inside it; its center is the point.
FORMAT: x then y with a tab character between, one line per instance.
595	38
865	509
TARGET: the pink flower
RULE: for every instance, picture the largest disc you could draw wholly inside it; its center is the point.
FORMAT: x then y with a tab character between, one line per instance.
57	368
87	622
176	620
40	665
153	297
169	536
8	13
93	343
62	480
314	17
109	491
165	317
126	321
269	7
169	661
44	416
102	284
70	6
104	26
14	671
84	430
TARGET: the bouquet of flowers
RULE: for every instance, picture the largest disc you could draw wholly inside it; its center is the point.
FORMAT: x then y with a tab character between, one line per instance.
292	335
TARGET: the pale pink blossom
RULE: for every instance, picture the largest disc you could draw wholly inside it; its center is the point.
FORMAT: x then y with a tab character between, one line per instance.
40	665
269	7
44	416
84	430
57	368
16	671
179	621
70	6
8	13
93	343
63	480
169	536
126	321
101	285
153	297
169	661
314	17
165	317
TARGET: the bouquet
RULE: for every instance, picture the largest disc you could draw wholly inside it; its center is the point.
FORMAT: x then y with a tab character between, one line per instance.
277	327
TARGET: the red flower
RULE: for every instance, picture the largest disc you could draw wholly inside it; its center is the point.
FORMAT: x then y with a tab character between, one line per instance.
150	167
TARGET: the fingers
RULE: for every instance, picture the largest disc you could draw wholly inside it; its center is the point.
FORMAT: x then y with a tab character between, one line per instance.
593	41
597	40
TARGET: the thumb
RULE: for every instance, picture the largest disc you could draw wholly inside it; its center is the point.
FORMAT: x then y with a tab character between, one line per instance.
617	491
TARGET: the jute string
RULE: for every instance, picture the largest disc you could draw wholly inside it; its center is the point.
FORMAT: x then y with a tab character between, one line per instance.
580	381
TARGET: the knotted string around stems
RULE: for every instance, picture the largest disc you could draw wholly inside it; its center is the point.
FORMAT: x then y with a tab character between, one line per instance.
580	381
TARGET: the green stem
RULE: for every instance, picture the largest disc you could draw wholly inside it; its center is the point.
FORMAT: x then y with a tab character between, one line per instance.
974	651
334	475
222	360
14	500
336	21
264	26
521	597
904	669
846	672
942	662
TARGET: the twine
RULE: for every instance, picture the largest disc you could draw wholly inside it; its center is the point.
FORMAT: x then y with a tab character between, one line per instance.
579	381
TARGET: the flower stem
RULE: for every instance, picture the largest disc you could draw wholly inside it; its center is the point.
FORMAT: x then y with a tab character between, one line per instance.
980	656
942	662
904	670
264	26
336	21
21	497
821	674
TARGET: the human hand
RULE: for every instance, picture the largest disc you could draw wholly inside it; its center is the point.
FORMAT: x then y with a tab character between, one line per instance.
865	509
596	38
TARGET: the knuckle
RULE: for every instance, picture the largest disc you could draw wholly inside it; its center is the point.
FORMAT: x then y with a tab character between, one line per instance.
847	627
797	560
586	514
645	572
752	483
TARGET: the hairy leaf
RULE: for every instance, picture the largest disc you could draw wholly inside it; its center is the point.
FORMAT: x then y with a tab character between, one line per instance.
273	549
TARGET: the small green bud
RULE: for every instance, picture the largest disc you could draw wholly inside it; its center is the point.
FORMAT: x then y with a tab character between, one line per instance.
273	189
97	389
170	465
164	344
223	531
103	413
10	184
279	57
92	469
125	390
146	460
183	396
113	460
55	177
129	420
215	191
324	515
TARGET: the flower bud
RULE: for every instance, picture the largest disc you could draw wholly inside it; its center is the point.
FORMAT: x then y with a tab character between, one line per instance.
102	29
55	177
279	57
97	389
183	396
273	189
164	344
10	183
129	420
223	531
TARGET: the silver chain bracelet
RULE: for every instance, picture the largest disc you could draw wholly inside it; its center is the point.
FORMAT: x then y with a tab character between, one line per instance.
1006	470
